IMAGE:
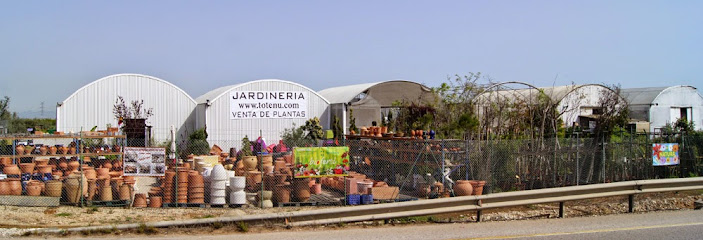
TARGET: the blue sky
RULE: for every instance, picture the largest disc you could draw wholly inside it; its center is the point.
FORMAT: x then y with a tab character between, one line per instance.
49	49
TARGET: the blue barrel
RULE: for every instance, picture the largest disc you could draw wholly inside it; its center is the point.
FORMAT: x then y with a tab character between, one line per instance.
367	199
353	199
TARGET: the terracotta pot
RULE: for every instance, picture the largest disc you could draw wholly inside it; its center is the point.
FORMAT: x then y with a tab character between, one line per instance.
281	193
107	165
73	165
43	150
15	186
103	172
27	167
11	169
254	176
63	163
54	188
71	150
316	188
301	190
5	161
44	169
41	162
19	150
477	187
125	192
268	169
155	202
33	190
288	158
106	193
52	150
463	188
92	189
62	150
250	162
116	163
4	187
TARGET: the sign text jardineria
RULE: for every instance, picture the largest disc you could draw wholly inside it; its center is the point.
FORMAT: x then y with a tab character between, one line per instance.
268	104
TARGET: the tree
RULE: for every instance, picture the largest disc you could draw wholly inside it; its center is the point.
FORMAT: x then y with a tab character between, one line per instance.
4	109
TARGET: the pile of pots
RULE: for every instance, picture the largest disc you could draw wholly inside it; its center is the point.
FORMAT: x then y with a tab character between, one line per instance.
218	178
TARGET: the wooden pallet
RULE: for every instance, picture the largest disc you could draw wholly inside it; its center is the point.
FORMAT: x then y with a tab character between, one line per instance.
29	201
185	205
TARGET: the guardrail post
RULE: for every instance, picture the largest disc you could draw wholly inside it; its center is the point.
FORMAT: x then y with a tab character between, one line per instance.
478	215
630	203
561	209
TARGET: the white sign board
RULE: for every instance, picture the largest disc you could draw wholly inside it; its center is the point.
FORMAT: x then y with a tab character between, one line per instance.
268	104
139	161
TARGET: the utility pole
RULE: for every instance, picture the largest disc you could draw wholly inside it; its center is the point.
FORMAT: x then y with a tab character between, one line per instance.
42	109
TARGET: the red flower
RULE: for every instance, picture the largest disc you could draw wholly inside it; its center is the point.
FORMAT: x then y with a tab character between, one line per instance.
345	161
306	165
337	171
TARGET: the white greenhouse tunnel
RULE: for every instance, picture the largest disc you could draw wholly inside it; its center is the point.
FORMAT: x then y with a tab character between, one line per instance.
92	105
265	107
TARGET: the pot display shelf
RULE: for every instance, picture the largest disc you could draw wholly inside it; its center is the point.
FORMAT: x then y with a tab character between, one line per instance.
387	155
46	146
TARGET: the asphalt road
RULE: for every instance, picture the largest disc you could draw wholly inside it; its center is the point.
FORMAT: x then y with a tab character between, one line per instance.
685	224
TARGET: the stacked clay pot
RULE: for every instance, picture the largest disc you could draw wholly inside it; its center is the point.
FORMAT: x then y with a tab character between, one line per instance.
34	188
4	187
182	189
266	162
73	185
301	190
250	163
218	177
169	178
281	192
139	200
155	202
125	191
196	187
237	194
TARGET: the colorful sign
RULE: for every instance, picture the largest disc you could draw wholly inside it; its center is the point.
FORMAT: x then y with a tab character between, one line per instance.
268	104
321	161
139	161
665	154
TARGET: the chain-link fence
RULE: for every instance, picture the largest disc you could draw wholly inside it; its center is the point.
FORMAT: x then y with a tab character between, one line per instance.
105	169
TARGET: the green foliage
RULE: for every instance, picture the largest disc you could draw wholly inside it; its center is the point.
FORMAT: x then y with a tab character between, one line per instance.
144	229
391	122
246	147
197	143
337	128
294	136
20	125
314	129
352	122
4	108
242	226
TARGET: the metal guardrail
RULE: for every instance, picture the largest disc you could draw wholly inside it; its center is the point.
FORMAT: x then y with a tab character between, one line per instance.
436	206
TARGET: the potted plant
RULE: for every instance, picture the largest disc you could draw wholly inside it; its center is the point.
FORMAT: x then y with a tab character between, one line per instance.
248	157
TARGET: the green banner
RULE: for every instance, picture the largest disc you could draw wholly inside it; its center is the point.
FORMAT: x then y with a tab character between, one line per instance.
321	161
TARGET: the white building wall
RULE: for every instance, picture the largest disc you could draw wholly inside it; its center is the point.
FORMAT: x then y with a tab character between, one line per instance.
674	98
580	102
228	133
92	105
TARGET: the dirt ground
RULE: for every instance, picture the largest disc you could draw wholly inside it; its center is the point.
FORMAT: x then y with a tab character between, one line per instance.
19	218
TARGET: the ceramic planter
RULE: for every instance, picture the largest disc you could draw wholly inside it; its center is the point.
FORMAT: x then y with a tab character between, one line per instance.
19	150
250	162
463	188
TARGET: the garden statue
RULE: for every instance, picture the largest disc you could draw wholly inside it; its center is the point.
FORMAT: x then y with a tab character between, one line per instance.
448	182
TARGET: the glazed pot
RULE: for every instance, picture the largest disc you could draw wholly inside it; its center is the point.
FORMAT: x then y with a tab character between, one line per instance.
249	162
463	188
